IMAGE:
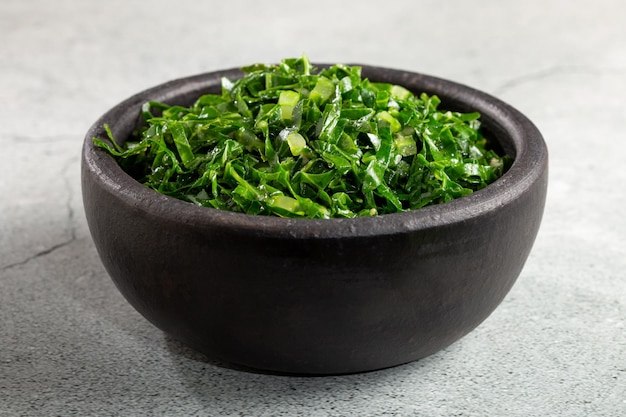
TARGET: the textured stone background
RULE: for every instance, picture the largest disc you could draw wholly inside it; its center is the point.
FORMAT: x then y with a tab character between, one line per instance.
71	345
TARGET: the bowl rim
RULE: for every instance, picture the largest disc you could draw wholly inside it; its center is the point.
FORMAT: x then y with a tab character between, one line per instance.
524	140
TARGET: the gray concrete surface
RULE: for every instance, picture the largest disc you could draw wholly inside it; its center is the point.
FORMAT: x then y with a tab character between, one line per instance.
71	345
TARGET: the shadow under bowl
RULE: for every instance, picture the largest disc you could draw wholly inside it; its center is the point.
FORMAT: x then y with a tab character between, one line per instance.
309	296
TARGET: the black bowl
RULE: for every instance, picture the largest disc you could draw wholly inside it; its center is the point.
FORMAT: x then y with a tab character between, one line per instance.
317	296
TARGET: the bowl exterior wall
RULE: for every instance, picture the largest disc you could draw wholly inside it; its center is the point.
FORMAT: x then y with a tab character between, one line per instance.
312	306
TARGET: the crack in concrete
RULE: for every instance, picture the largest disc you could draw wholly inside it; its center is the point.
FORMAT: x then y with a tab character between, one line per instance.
71	226
555	71
38	254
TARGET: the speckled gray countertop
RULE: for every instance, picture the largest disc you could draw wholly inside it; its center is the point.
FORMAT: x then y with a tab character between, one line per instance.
71	345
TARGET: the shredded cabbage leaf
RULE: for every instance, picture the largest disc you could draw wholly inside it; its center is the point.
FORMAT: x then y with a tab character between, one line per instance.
293	141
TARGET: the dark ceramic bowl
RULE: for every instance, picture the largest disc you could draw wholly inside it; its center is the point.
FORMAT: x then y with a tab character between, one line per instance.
317	296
